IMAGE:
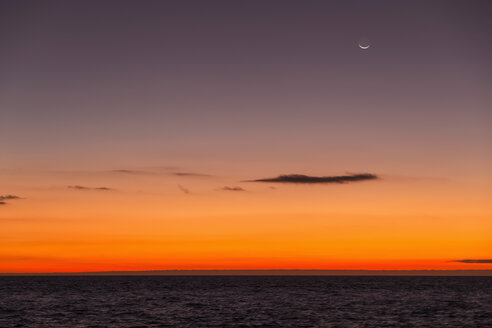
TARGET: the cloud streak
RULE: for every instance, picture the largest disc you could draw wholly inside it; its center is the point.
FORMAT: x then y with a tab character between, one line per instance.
78	187
8	197
133	172
190	174
161	172
474	261
183	189
306	179
226	188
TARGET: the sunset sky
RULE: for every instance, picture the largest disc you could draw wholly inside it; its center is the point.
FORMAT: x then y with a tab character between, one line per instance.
135	135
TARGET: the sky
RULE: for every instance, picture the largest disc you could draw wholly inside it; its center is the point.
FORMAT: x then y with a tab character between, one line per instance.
154	135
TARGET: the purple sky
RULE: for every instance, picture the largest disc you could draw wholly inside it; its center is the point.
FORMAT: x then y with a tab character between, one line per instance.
92	83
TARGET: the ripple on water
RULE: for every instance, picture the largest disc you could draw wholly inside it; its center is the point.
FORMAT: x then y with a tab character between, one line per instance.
245	301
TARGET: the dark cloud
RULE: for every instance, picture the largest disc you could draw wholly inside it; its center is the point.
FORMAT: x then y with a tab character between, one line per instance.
232	188
183	189
299	178
8	197
77	187
474	261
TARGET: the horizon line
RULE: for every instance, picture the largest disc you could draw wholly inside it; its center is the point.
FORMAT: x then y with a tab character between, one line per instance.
263	272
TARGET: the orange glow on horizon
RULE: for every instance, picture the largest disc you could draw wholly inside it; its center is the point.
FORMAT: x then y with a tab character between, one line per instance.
290	227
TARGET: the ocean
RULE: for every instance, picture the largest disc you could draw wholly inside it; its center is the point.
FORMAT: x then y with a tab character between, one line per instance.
245	301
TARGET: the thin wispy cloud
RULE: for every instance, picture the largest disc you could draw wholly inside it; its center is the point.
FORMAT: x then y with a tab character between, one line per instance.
474	261
183	189
190	174
78	187
8	197
161	171
306	179
227	188
124	171
133	172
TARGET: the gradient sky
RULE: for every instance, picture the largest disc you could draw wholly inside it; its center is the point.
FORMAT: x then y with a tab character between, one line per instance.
131	131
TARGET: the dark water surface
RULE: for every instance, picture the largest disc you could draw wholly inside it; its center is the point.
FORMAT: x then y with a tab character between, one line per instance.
235	301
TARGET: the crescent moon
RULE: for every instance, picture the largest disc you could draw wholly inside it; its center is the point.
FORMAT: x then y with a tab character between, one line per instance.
364	47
